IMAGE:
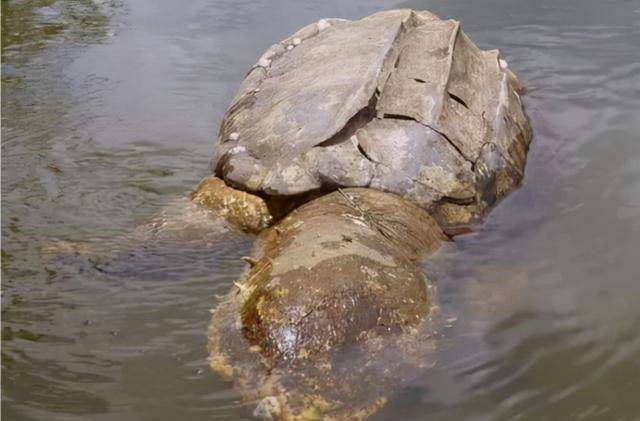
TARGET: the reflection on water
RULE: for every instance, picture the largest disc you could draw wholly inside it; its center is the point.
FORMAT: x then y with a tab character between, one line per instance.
109	110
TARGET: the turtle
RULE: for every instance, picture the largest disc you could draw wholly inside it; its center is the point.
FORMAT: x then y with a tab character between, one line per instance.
400	101
333	312
355	149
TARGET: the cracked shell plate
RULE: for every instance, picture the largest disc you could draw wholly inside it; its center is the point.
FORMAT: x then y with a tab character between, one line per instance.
400	101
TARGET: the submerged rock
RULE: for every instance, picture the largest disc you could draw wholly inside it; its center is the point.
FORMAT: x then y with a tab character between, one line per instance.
400	101
334	312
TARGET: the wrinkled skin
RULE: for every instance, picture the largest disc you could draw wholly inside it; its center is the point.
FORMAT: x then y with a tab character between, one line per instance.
334	312
248	212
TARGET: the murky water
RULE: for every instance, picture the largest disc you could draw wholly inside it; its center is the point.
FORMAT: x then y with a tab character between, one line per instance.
109	111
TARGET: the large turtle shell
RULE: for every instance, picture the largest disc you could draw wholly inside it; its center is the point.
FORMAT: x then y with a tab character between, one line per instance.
400	101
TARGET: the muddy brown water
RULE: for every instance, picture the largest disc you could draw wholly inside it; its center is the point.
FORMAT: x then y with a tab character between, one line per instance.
109	111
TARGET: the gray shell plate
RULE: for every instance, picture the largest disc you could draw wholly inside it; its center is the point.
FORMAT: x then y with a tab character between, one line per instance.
399	101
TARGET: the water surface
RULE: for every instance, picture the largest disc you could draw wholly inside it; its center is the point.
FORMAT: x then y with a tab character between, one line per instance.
109	111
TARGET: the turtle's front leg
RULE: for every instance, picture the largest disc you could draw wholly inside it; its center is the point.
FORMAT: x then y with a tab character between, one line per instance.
188	226
246	211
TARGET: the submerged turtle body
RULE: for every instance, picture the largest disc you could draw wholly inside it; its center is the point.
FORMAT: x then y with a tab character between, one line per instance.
334	313
381	133
400	101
